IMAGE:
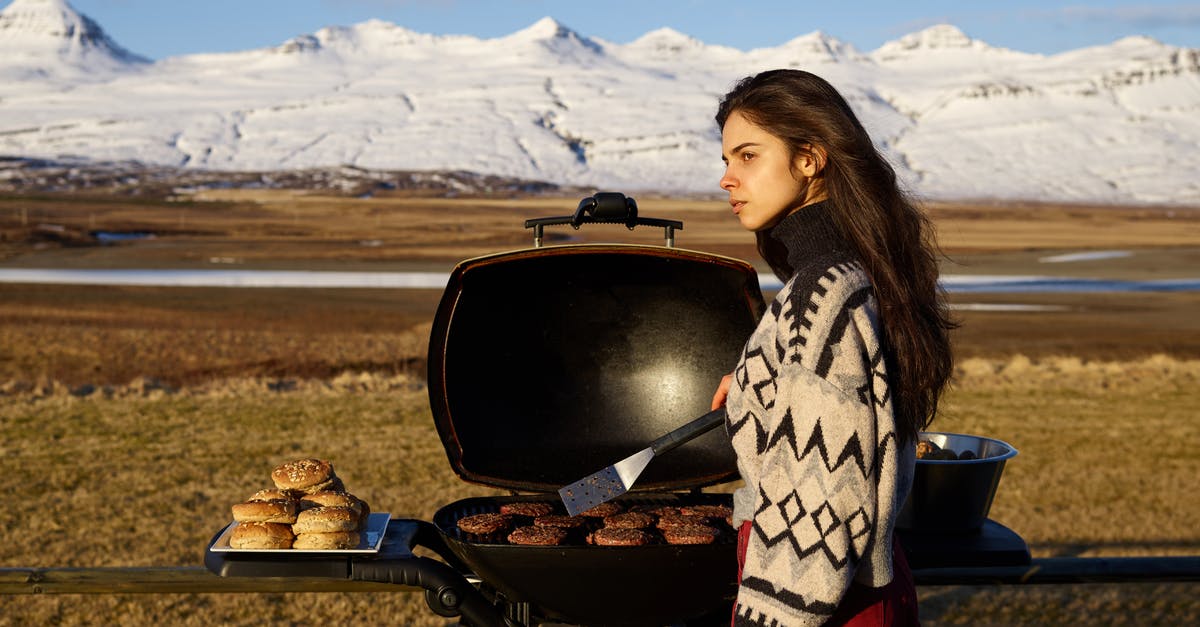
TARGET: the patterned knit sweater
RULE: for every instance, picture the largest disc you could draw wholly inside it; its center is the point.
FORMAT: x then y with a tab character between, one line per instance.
810	417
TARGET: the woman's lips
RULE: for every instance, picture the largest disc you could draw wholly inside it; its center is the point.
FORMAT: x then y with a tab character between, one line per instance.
737	206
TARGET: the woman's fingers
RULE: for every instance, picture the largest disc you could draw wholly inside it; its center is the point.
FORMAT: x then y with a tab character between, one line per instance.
722	391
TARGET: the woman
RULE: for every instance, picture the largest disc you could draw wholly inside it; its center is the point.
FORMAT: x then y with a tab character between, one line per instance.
843	370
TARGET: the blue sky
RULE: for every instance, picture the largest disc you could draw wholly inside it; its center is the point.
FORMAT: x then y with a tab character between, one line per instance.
161	28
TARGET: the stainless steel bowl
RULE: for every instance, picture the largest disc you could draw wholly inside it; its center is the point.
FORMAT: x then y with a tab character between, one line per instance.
955	495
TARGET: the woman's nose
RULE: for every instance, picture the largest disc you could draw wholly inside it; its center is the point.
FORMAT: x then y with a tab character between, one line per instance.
727	181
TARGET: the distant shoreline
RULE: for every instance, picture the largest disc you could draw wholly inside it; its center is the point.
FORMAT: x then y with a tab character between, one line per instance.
437	280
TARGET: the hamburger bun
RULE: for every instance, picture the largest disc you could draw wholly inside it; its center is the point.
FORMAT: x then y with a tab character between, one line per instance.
334	540
305	475
261	535
335	498
326	520
275	494
330	498
273	511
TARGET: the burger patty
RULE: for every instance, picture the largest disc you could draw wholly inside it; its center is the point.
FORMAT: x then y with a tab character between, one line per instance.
531	509
538	535
614	536
483	524
690	534
629	520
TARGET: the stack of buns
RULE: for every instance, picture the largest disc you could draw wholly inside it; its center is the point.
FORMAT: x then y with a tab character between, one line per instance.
308	509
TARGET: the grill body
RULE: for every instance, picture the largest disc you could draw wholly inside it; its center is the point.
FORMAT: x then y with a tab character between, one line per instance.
548	364
598	585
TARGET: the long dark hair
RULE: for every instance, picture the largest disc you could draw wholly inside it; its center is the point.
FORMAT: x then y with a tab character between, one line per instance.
893	238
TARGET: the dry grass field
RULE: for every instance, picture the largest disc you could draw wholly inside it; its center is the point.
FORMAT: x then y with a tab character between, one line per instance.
132	418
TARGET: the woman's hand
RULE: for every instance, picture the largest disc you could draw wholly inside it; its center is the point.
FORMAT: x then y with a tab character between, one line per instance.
722	391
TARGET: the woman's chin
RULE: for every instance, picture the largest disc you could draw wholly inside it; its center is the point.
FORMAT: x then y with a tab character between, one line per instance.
749	223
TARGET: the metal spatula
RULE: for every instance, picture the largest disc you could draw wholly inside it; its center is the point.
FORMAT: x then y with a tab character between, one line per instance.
616	480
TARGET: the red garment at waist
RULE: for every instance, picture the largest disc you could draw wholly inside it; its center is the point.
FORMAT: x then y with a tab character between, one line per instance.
893	605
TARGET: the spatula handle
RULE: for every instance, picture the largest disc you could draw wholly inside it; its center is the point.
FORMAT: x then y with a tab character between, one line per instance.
688	432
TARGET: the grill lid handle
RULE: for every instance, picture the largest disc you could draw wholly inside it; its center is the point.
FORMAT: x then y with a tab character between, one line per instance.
605	208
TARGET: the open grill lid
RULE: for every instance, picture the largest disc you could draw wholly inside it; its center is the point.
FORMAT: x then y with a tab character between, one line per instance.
548	364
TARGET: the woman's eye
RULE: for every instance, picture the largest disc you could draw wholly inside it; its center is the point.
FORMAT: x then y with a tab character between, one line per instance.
747	156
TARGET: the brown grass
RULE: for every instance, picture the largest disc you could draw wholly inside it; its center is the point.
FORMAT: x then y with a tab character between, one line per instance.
1127	423
109	336
147	479
104	336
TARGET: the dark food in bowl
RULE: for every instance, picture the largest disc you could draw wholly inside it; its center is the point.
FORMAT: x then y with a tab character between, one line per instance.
925	449
929	451
954	483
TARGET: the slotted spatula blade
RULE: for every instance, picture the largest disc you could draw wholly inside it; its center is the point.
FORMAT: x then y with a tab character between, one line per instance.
613	481
605	485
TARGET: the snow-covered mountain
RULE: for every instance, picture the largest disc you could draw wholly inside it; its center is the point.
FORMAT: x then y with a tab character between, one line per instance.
47	40
959	118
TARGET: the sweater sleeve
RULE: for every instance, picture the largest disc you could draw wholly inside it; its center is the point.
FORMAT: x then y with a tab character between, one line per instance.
815	471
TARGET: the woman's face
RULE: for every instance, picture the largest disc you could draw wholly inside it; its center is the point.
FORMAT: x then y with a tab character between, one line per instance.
765	183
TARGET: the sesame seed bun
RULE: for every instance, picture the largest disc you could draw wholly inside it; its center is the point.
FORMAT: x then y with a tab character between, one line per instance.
261	535
330	498
306	475
274	494
335	498
328	541
326	520
274	511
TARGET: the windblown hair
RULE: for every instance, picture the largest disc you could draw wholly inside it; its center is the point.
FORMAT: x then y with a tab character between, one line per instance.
892	237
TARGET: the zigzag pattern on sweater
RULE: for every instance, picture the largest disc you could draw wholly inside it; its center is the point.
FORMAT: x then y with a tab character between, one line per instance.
760	434
806	306
801	521
787	597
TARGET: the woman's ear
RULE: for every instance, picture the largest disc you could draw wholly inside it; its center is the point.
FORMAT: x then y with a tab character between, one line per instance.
810	161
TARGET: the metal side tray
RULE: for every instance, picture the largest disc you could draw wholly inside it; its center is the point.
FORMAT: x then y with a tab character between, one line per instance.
447	591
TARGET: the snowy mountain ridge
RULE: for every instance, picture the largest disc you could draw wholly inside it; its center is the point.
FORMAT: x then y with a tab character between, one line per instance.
957	117
48	36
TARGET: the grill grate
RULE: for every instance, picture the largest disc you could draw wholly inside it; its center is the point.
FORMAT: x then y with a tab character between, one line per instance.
447	518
